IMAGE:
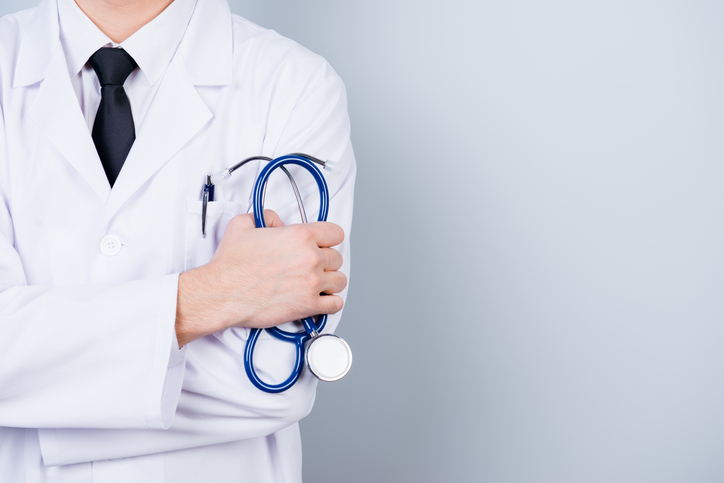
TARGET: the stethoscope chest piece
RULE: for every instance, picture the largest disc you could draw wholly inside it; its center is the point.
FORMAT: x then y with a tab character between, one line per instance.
328	357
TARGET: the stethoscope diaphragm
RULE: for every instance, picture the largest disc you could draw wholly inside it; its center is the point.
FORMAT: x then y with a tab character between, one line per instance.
328	357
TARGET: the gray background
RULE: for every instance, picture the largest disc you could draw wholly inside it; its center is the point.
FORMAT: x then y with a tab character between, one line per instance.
537	268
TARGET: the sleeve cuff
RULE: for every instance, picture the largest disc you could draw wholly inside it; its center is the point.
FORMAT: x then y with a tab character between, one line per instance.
166	380
166	374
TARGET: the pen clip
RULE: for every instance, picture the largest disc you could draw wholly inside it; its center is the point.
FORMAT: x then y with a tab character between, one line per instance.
208	196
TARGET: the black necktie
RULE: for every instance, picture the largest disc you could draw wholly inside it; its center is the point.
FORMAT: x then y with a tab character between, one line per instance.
113	130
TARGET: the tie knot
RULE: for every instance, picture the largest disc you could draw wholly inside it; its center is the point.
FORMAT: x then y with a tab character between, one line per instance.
112	66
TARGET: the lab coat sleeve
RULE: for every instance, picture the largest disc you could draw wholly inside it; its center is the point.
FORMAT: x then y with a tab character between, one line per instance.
218	403
84	356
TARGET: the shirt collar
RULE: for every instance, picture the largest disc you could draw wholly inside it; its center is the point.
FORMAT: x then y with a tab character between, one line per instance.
152	46
207	44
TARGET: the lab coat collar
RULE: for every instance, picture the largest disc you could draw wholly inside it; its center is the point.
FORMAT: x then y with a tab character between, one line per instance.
38	46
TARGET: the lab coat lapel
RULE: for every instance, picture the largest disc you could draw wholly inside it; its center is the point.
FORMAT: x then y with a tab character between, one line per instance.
175	116
57	112
55	108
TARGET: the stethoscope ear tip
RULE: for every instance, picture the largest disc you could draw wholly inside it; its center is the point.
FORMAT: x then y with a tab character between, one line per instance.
332	167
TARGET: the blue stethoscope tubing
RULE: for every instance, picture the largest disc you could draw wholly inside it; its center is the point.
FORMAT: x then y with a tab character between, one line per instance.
311	329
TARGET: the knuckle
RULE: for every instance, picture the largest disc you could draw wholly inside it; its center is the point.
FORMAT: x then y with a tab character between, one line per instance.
315	281
301	233
313	259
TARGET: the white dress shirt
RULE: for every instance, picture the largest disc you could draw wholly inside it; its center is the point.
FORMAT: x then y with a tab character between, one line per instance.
152	47
92	385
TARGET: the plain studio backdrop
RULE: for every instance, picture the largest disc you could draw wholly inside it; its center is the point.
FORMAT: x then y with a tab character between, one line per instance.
537	287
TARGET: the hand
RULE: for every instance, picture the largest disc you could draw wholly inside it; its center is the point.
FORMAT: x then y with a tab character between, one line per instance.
262	277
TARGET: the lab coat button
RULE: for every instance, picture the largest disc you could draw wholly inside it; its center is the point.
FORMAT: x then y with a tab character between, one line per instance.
110	245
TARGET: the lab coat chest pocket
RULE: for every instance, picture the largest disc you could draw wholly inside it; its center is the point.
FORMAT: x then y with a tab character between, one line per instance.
199	249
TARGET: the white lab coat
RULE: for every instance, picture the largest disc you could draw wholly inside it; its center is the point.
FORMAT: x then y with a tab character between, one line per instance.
86	336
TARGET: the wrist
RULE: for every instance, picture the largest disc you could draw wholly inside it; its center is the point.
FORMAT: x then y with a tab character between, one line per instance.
196	314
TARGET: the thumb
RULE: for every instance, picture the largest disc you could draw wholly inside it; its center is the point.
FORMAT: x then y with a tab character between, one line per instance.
246	221
271	219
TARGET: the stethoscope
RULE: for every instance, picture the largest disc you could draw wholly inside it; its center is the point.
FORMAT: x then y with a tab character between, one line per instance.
327	356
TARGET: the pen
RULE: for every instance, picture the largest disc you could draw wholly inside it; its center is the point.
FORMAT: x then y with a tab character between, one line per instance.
208	196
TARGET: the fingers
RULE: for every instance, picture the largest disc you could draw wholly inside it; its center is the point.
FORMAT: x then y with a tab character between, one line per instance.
326	234
332	259
333	282
330	304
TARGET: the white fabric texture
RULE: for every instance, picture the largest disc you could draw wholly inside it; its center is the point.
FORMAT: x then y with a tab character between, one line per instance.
92	385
